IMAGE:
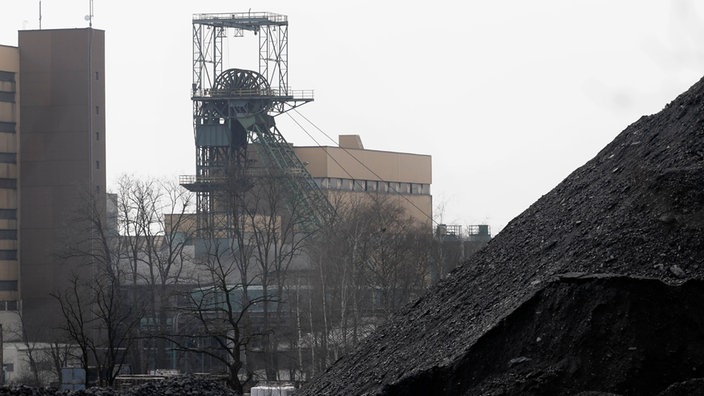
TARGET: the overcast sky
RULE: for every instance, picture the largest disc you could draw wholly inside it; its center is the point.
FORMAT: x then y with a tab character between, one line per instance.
508	96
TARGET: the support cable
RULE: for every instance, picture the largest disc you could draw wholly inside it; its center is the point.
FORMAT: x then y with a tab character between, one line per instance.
356	159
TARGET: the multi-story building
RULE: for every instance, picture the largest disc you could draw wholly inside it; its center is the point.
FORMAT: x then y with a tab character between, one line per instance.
9	125
52	161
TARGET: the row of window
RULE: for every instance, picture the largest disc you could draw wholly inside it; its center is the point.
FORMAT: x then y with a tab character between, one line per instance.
7	87
8	254
7	94
7	97
8	306
8	235
8	214
8	158
333	183
8	285
7	127
8	183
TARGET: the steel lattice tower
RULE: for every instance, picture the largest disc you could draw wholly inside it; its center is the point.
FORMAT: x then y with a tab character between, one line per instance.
233	108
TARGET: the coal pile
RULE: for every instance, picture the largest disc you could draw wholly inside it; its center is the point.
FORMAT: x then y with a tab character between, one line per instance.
170	386
595	289
180	385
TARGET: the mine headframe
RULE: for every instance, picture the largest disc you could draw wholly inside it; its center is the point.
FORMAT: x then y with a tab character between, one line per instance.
233	111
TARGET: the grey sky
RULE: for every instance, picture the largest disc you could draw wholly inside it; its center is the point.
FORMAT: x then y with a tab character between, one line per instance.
508	96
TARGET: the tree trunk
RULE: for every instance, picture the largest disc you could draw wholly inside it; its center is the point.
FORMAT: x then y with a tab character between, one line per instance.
233	380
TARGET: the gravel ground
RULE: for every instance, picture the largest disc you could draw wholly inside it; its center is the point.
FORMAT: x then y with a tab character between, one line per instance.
635	211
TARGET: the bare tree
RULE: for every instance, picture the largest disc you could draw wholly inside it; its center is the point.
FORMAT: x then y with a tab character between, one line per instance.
99	323
22	332
156	229
396	256
215	323
96	317
45	359
368	264
238	315
59	355
278	234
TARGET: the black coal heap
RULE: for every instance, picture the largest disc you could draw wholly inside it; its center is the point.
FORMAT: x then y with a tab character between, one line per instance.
527	315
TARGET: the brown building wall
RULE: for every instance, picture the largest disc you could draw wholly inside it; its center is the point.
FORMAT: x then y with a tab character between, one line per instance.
348	172
366	164
62	155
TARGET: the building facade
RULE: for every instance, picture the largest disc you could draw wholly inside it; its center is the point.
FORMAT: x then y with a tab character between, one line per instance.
350	171
9	125
52	161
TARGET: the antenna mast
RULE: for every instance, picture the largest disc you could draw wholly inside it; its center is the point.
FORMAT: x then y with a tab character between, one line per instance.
89	17
40	14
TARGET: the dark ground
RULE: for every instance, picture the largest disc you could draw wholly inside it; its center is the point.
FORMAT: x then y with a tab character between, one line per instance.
507	323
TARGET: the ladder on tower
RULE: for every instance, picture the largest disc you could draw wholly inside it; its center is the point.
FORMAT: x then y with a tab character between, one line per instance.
311	200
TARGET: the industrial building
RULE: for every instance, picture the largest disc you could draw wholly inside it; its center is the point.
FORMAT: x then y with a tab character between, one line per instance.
350	169
52	165
52	162
236	135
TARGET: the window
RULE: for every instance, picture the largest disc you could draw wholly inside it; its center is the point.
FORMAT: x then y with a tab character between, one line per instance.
372	185
10	235
358	185
7	76
97	135
97	164
97	110
10	184
346	184
8	214
8	255
97	75
7	127
8	97
8	158
8	285
8	306
7	87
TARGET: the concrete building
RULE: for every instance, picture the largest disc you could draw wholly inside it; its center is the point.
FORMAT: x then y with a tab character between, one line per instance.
52	159
9	125
353	171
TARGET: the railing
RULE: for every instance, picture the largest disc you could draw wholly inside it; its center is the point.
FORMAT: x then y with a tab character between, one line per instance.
194	179
243	17
250	172
298	94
